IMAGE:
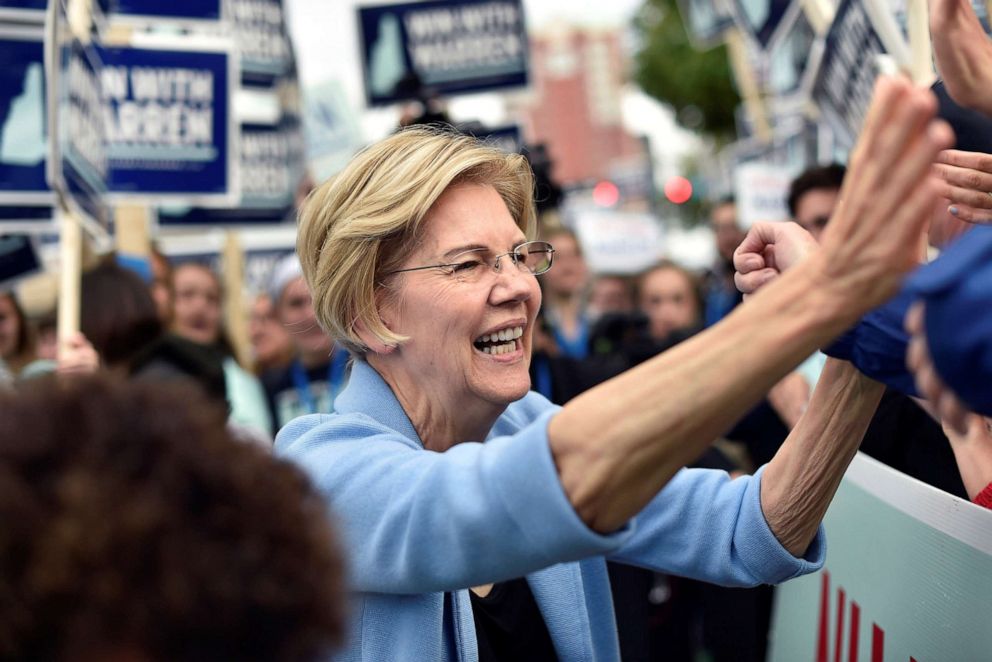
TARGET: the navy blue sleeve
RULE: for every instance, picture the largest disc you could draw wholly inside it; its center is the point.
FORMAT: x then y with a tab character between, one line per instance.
877	344
957	291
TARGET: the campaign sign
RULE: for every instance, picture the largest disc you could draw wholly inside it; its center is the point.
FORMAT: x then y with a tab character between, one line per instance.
793	57
23	128
18	258
259	29
269	165
844	84
180	11
442	47
760	189
333	131
706	20
78	163
32	11
169	126
271	168
907	577
760	18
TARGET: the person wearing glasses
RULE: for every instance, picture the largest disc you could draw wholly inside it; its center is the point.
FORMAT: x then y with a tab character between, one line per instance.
478	516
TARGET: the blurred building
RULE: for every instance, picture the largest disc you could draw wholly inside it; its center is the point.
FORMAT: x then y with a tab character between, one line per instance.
577	77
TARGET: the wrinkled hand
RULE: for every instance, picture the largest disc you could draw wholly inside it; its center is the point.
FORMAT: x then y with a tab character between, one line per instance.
966	180
874	235
950	410
768	250
77	356
963	53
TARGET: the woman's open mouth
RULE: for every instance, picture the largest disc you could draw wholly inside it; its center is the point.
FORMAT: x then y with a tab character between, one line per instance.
503	341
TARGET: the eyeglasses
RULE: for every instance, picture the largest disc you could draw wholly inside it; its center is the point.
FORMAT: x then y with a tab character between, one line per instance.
531	257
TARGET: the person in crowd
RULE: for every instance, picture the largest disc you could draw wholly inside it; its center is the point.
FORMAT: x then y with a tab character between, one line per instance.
16	341
670	298
564	312
721	296
609	294
196	316
813	196
319	369
119	320
419	261
902	434
135	529
161	285
271	344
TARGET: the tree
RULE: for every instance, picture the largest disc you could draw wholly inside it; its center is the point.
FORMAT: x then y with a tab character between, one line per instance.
697	84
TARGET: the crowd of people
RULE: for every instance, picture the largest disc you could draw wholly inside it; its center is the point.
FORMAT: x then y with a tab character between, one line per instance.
454	441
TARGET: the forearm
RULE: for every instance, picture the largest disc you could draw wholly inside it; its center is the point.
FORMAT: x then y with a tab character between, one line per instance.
801	479
618	444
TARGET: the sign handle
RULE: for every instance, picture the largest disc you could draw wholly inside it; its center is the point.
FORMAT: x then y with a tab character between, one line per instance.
750	91
131	231
921	62
71	253
820	14
235	320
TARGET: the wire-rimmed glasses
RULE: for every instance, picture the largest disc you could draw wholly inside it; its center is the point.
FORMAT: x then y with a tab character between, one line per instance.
530	257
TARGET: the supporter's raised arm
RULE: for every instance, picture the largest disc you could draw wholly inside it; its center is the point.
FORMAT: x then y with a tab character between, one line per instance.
963	53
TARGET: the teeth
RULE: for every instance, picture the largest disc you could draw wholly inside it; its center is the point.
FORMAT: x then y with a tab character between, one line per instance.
503	335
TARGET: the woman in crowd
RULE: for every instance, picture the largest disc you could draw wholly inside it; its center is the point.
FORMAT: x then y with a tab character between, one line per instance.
564	310
418	259
670	298
196	316
271	344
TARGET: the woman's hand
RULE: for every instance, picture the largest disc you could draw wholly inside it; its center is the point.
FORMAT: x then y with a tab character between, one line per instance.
949	409
966	181
886	201
768	250
77	356
963	53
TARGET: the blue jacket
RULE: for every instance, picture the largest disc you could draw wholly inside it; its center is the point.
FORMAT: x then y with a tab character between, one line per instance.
957	291
421	527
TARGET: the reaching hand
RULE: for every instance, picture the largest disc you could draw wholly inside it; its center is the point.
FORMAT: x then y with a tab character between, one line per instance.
963	53
874	235
77	356
951	411
966	180
768	250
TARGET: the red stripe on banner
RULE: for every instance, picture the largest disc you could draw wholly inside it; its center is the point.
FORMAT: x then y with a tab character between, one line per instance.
877	643
839	636
823	634
852	650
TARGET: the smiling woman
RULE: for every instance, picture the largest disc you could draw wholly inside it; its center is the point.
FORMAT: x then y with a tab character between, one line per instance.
409	254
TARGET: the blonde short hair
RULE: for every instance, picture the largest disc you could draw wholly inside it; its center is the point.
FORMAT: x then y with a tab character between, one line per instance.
364	222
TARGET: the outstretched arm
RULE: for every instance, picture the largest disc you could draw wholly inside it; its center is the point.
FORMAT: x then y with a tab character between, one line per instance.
617	445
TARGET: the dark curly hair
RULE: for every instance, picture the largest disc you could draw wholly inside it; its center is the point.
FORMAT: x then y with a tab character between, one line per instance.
132	522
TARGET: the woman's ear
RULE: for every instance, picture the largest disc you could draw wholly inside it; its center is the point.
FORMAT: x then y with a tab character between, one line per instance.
372	341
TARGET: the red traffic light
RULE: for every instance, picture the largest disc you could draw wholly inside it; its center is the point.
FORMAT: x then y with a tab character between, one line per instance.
605	194
678	189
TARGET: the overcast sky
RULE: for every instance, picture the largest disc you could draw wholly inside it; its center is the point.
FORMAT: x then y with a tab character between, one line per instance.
326	38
